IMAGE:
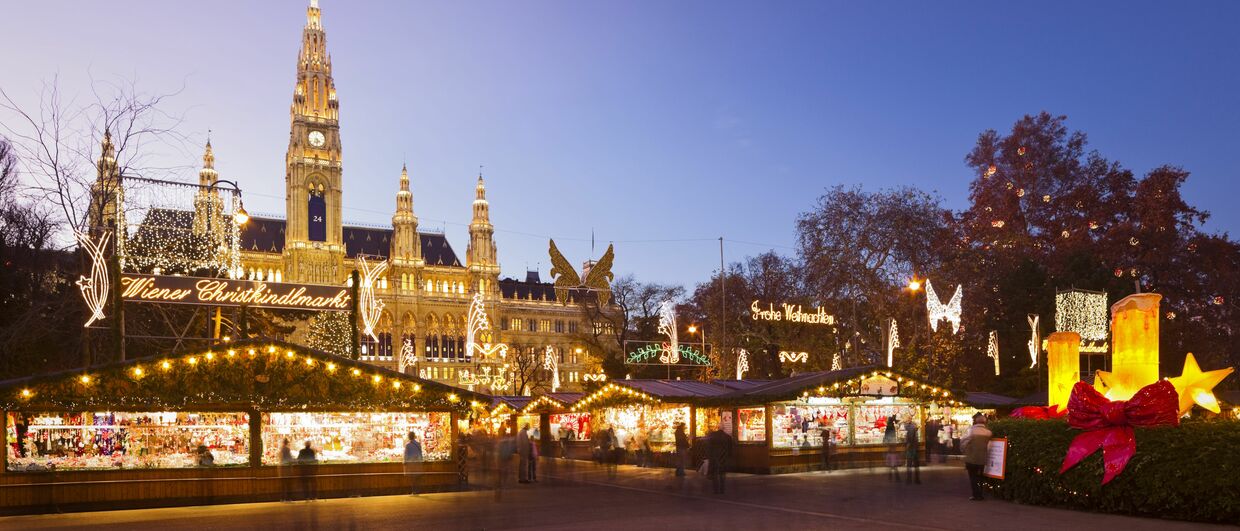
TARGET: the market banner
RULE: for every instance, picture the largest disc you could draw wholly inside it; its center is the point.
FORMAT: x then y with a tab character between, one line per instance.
169	289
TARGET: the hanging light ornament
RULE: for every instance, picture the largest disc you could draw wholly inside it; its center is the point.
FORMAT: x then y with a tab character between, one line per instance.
1020	192
1133	241
95	287
893	341
998	224
1065	234
1046	198
938	311
1035	342
992	349
1020	151
742	363
371	307
991	170
667	326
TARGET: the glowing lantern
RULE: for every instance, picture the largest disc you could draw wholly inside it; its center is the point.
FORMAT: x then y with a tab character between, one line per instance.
1134	357
1063	367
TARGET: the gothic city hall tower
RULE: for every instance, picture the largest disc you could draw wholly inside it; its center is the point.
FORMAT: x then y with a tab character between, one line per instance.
313	248
427	289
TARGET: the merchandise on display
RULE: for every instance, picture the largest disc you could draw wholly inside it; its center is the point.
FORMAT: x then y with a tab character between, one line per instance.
870	421
357	437
575	424
800	426
122	440
751	424
658	422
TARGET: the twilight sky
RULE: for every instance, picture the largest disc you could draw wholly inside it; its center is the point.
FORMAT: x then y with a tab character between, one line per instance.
661	125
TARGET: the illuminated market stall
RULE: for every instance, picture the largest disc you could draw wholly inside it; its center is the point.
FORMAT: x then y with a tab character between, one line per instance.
780	425
652	408
561	431
208	426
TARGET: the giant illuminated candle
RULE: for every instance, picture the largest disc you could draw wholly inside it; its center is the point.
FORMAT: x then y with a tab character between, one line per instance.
1134	343
1063	367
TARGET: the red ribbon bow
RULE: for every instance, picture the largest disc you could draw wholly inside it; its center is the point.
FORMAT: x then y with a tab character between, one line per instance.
1109	424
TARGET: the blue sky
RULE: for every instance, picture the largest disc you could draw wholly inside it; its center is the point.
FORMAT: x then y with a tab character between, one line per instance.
650	121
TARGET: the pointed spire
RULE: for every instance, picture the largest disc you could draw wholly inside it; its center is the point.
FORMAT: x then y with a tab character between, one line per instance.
208	156
481	189
404	178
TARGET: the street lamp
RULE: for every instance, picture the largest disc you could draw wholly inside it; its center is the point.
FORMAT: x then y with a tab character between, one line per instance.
914	284
240	217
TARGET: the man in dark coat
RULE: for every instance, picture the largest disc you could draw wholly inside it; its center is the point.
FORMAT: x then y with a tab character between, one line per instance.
719	452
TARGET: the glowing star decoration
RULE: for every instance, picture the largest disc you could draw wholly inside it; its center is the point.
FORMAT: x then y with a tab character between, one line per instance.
667	326
893	342
1035	343
1196	386
793	357
552	364
837	362
742	363
95	287
992	349
370	306
939	311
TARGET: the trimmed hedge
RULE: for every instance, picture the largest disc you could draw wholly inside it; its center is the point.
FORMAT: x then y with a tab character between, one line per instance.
1188	473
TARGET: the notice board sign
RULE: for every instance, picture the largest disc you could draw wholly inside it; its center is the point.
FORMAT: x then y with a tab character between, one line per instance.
996	458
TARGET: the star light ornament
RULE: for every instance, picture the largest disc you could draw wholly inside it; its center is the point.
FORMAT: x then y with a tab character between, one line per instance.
1196	386
992	349
667	326
370	306
95	287
939	311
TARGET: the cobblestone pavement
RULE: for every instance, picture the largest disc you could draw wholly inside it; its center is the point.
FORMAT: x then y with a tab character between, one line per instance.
577	495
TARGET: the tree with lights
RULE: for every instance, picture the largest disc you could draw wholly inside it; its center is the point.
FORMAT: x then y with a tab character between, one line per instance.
331	332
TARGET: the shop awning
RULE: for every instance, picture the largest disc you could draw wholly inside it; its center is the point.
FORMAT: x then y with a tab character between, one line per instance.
260	375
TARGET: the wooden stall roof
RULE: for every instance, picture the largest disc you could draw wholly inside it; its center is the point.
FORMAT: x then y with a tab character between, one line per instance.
981	399
686	391
740	384
552	402
843	382
257	374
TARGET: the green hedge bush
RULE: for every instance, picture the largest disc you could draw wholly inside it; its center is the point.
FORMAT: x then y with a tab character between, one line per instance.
1189	473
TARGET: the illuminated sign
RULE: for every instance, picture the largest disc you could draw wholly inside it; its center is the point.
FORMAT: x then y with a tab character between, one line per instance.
792	313
652	353
137	287
879	386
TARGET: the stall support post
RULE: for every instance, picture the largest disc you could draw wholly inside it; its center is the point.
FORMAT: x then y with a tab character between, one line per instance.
693	423
770	430
544	434
458	450
4	441
256	438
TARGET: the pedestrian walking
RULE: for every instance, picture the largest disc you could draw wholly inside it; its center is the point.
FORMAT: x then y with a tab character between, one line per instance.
532	475
719	453
932	438
682	449
828	446
611	451
893	461
287	462
523	453
307	460
413	462
912	455
975	446
563	439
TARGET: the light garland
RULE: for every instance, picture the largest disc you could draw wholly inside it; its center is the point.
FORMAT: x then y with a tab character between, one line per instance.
552	364
893	342
853	386
611	390
667	326
1035	342
793	357
992	349
94	388
408	355
1083	312
939	311
742	363
95	287
369	306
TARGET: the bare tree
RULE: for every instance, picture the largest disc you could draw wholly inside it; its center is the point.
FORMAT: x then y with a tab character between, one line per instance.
58	143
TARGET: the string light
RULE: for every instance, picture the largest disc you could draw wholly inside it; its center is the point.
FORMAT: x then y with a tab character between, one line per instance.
137	371
939	311
1086	313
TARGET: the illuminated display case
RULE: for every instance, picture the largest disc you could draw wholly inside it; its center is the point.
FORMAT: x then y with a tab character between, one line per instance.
870	420
658	422
123	440
796	425
751	424
357	437
575	425
704	418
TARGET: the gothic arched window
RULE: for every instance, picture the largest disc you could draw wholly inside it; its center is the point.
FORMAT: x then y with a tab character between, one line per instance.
316	219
